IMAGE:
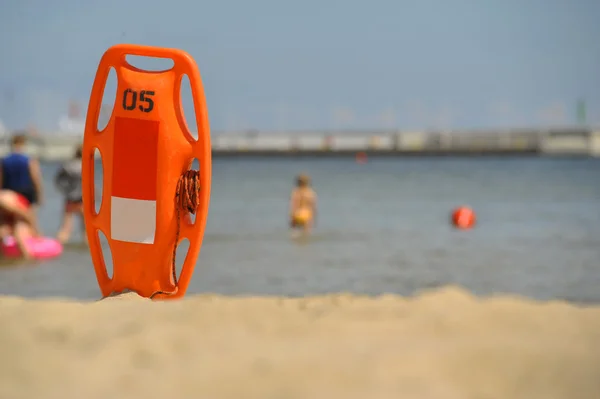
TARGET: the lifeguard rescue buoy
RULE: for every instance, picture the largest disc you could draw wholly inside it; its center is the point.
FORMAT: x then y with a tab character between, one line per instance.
147	153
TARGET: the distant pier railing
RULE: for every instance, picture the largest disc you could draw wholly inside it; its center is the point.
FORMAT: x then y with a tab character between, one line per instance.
567	141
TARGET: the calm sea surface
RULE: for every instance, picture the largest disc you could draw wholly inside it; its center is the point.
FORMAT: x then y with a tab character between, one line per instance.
383	228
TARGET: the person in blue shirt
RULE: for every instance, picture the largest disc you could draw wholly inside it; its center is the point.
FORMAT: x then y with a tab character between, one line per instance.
21	174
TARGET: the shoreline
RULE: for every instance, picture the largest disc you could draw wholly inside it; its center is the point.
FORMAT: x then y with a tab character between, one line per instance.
375	153
564	141
445	343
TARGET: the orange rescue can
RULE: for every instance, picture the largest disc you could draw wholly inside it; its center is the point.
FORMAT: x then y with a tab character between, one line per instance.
147	152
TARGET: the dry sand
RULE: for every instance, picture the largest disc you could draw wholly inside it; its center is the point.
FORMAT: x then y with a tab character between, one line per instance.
440	345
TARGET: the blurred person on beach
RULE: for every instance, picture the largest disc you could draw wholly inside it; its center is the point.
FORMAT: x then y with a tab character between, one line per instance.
17	219
303	205
68	182
21	174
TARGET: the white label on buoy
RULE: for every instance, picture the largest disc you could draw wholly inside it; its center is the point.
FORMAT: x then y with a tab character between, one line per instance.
132	220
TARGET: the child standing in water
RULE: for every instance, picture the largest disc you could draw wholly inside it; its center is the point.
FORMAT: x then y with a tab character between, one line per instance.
303	205
68	182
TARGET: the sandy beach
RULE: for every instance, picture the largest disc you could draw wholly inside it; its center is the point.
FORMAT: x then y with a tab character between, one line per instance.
443	344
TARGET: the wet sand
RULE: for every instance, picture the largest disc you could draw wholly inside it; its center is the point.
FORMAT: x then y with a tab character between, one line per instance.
444	344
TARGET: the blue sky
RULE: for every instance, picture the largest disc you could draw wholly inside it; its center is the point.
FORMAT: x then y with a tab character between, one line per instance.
329	64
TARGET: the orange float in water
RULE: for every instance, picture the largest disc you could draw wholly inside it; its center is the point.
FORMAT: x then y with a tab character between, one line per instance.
149	188
361	158
463	217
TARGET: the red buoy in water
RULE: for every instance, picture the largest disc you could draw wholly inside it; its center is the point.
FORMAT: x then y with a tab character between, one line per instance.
463	217
361	158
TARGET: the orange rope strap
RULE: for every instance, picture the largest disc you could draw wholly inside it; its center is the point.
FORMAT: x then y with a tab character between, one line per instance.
187	199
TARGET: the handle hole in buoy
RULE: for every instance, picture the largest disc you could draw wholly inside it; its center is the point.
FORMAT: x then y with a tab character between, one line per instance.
180	255
150	64
98	178
107	259
109	97
186	97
